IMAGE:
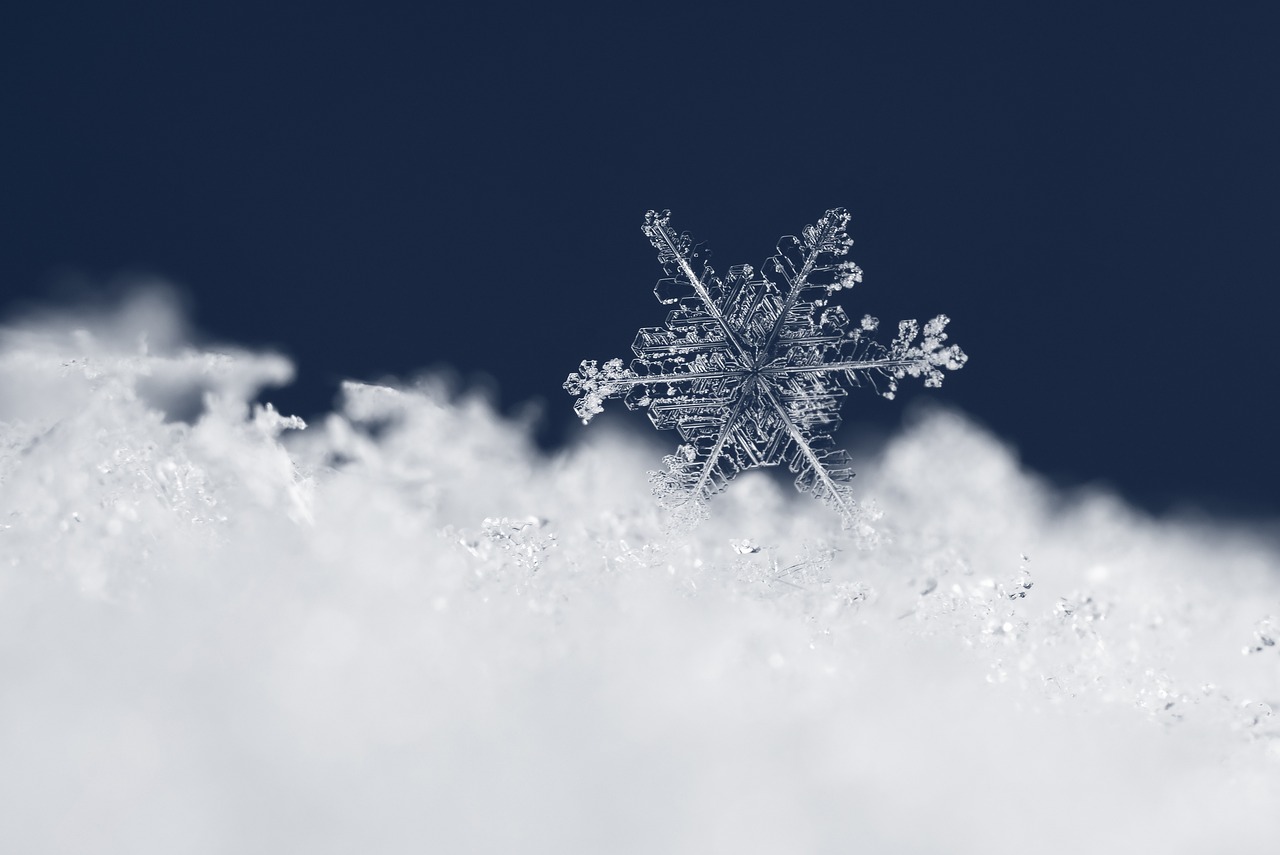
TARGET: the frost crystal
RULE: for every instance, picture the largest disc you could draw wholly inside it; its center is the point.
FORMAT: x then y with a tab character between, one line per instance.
752	366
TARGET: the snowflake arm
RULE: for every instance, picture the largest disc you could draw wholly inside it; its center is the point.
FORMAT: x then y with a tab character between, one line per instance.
799	264
675	254
903	358
820	468
752	372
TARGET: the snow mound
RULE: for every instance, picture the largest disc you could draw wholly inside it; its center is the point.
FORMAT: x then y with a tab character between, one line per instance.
402	629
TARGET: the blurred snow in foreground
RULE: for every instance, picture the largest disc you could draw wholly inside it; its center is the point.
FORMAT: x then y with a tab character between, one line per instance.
402	629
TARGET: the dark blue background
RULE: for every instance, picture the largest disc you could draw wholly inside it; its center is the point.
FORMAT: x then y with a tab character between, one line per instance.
1091	193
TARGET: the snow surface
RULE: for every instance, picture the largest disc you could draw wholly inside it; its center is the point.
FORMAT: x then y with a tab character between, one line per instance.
403	629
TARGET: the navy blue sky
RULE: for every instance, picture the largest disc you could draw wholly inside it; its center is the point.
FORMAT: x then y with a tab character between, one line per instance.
1092	194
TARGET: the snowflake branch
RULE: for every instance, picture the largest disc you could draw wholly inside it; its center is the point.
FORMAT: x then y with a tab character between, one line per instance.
831	224
696	491
851	366
672	248
834	493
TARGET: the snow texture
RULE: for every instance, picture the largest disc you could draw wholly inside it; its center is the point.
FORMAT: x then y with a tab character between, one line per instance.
403	629
752	371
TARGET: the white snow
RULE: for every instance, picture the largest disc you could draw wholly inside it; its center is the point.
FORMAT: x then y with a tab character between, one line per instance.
402	629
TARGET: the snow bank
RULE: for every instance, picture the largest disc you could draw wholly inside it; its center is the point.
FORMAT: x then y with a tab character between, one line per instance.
402	629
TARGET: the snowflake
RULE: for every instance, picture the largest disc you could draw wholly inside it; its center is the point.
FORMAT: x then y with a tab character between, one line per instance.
752	370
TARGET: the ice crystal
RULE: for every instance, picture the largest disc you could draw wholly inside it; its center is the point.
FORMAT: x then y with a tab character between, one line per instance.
751	367
1264	635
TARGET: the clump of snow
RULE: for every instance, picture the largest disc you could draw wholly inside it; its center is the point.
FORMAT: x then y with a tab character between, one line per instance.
401	628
